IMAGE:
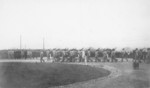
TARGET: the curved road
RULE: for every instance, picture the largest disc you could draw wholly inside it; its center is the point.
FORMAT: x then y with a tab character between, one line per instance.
124	77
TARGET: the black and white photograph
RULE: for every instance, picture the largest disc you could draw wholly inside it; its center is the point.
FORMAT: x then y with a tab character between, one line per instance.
74	43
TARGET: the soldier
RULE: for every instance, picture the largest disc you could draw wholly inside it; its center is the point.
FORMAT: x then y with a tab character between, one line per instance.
88	54
113	56
136	59
41	57
11	54
128	54
144	53
29	54
136	64
136	54
25	54
51	54
54	55
48	55
140	55
84	56
64	55
105	56
17	54
148	56
22	54
71	56
97	56
79	55
124	55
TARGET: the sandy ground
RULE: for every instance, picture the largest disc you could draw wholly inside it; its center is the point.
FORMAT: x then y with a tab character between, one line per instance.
122	76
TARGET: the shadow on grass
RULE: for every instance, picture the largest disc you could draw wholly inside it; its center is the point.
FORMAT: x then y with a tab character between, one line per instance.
44	75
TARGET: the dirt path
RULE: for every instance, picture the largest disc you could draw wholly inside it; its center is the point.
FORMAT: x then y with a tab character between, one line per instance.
122	76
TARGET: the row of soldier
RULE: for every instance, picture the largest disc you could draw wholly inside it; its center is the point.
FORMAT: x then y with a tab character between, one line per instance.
82	55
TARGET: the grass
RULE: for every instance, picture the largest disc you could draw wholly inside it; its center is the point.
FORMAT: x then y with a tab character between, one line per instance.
44	75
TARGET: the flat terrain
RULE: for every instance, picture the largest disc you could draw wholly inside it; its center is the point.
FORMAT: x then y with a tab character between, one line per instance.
44	75
127	77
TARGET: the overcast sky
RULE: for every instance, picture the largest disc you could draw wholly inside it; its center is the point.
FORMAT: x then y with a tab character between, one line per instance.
74	23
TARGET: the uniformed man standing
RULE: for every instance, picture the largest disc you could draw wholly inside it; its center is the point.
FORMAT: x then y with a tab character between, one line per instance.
136	60
41	57
144	53
48	55
124	55
148	56
97	56
105	56
113	57
84	56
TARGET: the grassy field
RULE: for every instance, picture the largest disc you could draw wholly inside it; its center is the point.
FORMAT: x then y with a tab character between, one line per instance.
44	75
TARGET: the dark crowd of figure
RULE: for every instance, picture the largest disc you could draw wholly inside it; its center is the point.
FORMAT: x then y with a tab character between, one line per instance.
79	55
